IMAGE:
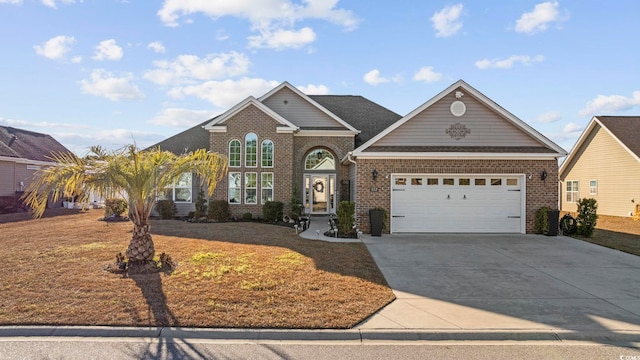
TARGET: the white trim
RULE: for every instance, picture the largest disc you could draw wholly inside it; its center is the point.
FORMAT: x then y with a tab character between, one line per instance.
310	100
229	153
273	154
26	161
246	152
229	188
583	137
218	129
284	130
336	133
244	199
243	105
272	188
456	155
566	182
482	98
594	192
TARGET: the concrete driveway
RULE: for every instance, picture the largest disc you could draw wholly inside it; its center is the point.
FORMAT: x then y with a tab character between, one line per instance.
454	282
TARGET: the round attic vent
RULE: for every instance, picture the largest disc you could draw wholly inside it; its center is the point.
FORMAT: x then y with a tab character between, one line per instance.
458	108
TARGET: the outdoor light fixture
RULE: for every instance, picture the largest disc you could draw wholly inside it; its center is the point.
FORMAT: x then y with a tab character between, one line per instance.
543	176
374	174
319	154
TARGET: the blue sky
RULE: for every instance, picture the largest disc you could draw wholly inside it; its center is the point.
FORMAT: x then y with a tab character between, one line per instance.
111	72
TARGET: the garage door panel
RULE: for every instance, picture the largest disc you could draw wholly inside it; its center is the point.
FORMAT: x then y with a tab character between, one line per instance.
461	207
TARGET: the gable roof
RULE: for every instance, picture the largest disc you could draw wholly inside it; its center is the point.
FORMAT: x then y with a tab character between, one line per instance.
219	120
28	145
292	88
624	129
362	113
554	149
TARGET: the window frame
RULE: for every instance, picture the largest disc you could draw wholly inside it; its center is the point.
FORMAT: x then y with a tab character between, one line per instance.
575	193
263	152
239	155
250	157
171	190
263	188
234	187
247	187
593	189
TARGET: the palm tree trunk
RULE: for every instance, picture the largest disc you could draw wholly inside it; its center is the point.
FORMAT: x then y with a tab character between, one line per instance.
141	247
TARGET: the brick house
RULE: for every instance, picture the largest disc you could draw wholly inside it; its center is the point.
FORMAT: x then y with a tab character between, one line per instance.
458	163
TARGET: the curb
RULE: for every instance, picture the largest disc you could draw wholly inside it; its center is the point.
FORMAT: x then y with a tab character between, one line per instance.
627	338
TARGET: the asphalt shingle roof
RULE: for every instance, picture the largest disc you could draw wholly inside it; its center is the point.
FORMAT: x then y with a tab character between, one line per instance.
28	144
189	140
626	129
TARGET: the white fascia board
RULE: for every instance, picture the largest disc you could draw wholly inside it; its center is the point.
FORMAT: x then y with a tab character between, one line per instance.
311	101
26	161
218	129
456	156
243	105
284	130
345	133
482	98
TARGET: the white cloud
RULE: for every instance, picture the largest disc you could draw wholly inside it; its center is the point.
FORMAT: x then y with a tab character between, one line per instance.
108	50
56	47
447	21
427	74
224	94
221	35
157	46
312	89
539	19
610	103
177	117
76	59
508	62
189	68
10	1
572	130
548	117
52	3
281	39
373	78
103	83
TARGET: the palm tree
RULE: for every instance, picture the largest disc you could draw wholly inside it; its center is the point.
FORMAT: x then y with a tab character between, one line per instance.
134	174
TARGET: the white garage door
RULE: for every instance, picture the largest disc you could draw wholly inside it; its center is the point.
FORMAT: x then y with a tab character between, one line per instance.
457	203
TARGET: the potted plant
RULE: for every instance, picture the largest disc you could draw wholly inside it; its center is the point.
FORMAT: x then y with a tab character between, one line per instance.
376	220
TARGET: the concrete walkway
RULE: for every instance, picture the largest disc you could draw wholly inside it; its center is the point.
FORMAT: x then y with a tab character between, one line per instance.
319	225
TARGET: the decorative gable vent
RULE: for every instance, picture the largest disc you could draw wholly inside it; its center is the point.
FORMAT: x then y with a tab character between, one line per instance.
457	131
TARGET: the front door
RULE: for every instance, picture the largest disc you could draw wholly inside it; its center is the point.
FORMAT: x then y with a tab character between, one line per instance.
319	193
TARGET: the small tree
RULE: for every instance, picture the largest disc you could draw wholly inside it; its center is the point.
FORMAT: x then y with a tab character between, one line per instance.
345	213
272	211
201	206
587	216
115	207
296	203
542	220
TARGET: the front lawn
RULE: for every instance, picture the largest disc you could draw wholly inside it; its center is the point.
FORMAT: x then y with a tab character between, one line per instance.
616	232
228	275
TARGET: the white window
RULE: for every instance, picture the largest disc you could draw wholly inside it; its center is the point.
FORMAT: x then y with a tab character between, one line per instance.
593	187
234	153
251	150
266	186
267	154
235	188
250	188
572	191
319	159
180	191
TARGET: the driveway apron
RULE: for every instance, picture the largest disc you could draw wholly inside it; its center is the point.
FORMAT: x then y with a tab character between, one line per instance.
461	282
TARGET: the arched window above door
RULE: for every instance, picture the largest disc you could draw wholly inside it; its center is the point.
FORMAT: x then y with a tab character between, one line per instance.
319	159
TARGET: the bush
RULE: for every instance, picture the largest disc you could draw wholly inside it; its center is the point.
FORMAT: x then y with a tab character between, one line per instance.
247	216
201	206
218	210
345	214
587	216
272	211
115	207
542	220
166	209
296	204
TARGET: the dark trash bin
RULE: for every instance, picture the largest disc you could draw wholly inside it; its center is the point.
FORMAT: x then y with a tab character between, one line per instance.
553	217
376	221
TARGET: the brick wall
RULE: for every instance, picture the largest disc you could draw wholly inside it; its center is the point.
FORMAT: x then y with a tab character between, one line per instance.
538	192
251	119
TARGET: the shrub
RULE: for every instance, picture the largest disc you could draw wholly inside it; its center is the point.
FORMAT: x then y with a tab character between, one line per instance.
587	216
542	220
166	209
247	216
296	204
115	207
272	211
201	206
218	210
345	213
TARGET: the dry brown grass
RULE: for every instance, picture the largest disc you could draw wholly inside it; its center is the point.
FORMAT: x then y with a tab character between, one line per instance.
620	233
228	275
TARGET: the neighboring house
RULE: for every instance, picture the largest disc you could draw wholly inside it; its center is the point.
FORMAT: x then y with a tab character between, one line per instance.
458	163
22	153
604	165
